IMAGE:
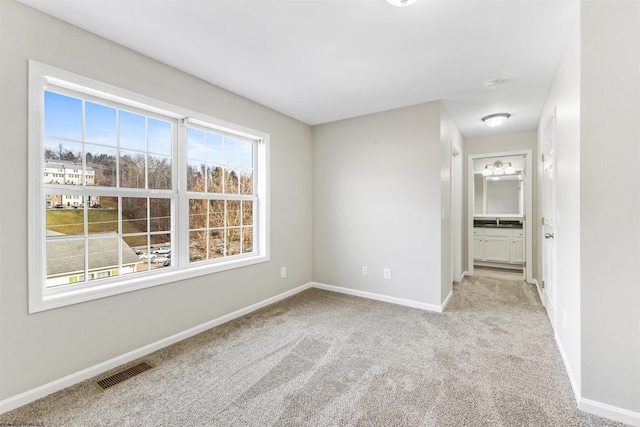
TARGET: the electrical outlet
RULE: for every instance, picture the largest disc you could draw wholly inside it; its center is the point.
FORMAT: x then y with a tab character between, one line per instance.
283	272
365	271
387	274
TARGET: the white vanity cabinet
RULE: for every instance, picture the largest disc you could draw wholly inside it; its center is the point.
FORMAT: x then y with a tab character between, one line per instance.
498	245
517	246
478	244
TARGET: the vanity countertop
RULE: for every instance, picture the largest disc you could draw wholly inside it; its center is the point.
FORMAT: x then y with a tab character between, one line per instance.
497	223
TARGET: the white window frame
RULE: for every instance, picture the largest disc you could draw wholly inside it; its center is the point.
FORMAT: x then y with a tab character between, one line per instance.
42	298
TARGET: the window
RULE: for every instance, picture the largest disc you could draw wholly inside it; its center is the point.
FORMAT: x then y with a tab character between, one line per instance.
128	192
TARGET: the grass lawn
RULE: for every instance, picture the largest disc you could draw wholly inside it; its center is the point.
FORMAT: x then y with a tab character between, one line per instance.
71	221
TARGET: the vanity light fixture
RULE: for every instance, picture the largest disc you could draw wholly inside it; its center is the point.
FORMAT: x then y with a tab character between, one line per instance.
401	3
498	168
497	119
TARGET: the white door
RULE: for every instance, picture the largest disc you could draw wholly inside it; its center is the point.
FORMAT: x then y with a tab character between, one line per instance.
549	216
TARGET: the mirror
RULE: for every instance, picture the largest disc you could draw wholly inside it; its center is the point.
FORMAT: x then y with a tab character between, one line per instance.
497	195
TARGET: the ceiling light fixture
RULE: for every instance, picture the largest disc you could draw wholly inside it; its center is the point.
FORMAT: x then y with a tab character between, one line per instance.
498	168
494	120
491	84
401	3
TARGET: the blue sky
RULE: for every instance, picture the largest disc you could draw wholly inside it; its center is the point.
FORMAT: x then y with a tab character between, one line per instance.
211	147
63	119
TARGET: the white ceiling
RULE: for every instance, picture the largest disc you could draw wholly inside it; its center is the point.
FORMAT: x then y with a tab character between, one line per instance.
325	60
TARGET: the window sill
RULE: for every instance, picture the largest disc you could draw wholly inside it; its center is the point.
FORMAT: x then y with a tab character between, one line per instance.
57	298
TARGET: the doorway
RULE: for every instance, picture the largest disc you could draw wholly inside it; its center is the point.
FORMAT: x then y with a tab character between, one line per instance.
499	201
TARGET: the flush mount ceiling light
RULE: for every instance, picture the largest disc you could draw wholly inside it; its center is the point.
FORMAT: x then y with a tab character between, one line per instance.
491	84
494	120
498	168
401	3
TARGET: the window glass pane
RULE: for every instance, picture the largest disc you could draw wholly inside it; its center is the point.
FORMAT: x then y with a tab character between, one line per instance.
102	219
214	179
132	131
160	212
197	246
247	212
233	213
233	241
63	216
246	181
195	176
214	148
197	214
247	239
216	213
160	250
100	124
62	163
134	215
217	247
62	116
246	154
101	166
159	136
231	182
103	256
57	150
196	148
132	169
159	172
230	151
132	249
65	262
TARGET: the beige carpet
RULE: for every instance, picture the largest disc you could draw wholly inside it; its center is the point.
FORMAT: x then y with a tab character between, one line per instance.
326	359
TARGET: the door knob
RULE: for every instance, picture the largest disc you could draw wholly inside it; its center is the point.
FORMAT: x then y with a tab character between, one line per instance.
549	235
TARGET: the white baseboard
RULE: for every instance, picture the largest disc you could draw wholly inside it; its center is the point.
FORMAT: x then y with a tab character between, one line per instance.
572	379
593	407
446	301
535	282
381	297
608	411
69	380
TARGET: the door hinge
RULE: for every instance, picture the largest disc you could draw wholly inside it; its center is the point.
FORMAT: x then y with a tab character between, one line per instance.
542	156
543	284
542	221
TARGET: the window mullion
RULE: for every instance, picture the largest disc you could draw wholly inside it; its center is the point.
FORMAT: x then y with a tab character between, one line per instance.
182	208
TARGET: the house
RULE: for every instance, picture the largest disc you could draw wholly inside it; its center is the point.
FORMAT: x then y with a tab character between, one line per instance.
66	260
66	172
336	174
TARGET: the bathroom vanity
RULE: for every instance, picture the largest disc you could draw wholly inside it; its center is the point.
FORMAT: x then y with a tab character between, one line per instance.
498	242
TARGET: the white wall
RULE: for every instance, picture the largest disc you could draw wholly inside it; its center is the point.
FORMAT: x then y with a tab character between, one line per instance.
564	96
377	201
610	203
596	318
39	348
